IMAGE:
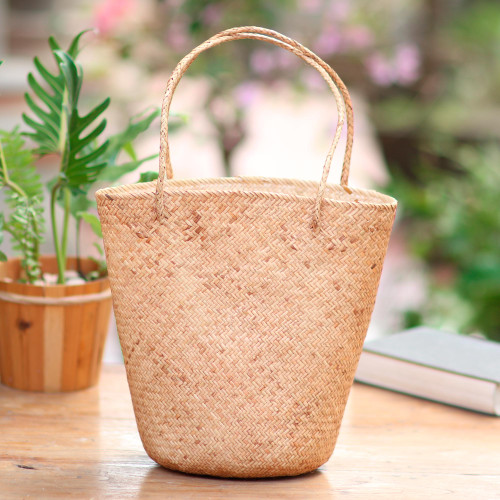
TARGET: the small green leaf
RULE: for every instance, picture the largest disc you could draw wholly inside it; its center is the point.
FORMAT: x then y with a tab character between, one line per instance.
53	44
73	77
129	149
42	94
113	172
52	80
136	126
92	220
148	176
79	163
42	131
74	48
84	142
85	121
49	119
99	248
3	257
80	203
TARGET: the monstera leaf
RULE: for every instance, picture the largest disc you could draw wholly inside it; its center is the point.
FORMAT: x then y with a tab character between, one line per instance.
58	126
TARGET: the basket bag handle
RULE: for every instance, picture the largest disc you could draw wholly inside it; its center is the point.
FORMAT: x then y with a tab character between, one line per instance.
342	98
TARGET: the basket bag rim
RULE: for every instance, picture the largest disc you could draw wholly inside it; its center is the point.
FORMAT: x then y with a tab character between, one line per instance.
249	186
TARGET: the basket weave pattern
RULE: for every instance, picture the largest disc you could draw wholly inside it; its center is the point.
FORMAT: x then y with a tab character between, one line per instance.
241	323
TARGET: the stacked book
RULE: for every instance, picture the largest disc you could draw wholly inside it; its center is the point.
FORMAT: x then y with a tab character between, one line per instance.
446	367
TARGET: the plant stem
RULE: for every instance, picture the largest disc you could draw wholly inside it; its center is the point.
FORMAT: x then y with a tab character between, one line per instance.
36	242
64	239
61	261
12	185
78	261
61	246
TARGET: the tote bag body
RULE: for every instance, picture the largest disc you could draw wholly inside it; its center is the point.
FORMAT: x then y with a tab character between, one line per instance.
242	304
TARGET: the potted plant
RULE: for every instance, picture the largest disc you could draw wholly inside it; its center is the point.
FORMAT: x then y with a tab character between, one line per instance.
55	310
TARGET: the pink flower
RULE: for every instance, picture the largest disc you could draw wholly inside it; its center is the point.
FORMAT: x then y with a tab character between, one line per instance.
177	36
328	42
338	10
212	14
407	63
285	60
313	80
110	13
262	61
380	69
310	6
403	68
246	94
358	37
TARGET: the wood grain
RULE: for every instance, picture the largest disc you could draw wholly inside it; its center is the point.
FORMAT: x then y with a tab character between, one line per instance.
53	354
51	347
85	445
14	318
33	344
87	339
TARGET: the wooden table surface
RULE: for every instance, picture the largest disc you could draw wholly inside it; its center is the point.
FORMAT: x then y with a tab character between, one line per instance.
85	445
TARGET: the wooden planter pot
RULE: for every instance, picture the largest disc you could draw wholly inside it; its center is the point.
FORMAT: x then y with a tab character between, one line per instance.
52	337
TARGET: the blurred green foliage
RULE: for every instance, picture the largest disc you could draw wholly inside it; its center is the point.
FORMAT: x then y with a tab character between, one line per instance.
452	223
441	139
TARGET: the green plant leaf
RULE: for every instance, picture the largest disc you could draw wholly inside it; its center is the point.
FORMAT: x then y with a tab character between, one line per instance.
52	80
23	197
73	77
53	44
123	142
19	164
129	149
81	203
58	127
99	248
85	121
113	172
136	126
92	220
74	48
148	176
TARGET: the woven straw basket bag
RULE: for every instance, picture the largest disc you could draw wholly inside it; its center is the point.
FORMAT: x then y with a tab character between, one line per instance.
242	304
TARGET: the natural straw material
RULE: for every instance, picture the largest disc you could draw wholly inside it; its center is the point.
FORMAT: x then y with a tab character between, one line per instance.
242	303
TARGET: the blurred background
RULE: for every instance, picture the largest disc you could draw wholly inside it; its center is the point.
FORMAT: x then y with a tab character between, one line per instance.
425	81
